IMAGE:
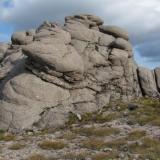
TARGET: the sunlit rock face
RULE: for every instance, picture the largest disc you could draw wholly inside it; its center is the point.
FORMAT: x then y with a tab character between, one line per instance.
50	72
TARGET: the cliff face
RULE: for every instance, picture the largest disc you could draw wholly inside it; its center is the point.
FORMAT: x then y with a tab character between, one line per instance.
52	71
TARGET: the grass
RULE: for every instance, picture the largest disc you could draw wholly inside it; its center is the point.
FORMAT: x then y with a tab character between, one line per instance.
106	118
17	146
149	102
99	117
76	156
98	132
36	157
116	144
2	131
147	146
94	144
52	145
95	117
135	135
116	106
147	113
69	135
104	156
7	137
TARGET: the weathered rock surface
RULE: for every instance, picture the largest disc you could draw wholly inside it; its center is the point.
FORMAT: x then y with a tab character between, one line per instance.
115	31
52	71
148	82
157	75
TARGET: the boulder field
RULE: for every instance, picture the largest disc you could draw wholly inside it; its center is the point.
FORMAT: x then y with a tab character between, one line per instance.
78	67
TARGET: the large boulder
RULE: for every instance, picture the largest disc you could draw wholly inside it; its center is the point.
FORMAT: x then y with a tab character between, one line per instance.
58	57
115	31
22	38
147	82
80	32
157	75
54	70
51	33
86	19
3	49
123	44
26	98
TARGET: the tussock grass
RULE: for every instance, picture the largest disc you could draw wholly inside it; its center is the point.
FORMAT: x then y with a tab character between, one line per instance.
52	145
135	135
98	132
7	137
94	144
17	146
69	135
76	156
147	146
147	113
36	157
95	117
116	144
104	156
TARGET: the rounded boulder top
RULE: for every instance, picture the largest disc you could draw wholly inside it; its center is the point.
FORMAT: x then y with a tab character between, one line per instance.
87	19
115	31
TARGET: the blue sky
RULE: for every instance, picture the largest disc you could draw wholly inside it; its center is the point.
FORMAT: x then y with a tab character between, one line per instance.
140	18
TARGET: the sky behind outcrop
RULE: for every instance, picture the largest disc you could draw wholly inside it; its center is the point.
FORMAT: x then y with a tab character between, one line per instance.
140	17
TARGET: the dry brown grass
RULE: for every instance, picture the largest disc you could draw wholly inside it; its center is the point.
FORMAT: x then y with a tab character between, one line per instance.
76	156
94	143
147	113
36	157
98	132
136	135
7	137
17	146
104	156
69	135
116	144
52	145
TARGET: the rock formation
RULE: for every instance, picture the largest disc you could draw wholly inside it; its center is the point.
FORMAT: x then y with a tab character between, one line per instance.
52	71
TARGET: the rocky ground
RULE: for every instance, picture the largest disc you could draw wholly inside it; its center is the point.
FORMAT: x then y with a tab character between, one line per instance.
120	131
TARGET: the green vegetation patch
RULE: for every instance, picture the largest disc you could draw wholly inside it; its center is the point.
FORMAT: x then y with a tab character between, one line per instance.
87	118
147	113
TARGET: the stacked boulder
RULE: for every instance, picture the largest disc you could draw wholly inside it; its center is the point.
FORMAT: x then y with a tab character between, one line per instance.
55	70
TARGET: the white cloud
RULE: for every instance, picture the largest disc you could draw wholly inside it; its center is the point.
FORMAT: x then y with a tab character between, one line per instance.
139	17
